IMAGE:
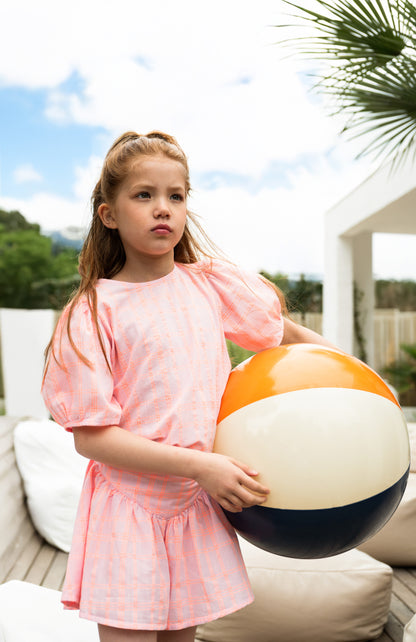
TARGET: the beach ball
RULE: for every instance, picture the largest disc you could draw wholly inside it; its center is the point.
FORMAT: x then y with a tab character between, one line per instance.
328	438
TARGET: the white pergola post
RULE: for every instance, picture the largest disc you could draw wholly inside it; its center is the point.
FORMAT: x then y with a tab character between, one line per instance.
363	278
338	326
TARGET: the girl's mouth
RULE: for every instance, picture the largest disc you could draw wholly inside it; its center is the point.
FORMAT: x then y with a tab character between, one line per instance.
161	229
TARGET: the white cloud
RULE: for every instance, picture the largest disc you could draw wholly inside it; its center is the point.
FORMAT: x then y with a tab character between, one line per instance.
277	229
210	74
50	211
26	174
86	178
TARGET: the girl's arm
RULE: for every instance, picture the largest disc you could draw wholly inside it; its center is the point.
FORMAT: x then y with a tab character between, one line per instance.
295	333
228	481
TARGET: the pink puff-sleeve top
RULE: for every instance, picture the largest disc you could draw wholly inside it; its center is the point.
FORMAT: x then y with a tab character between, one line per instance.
149	551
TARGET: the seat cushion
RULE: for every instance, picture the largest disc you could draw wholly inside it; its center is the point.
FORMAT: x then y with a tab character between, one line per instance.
395	543
340	598
409	634
35	614
411	426
52	473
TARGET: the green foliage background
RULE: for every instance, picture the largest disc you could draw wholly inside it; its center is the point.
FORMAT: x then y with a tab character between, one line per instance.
35	273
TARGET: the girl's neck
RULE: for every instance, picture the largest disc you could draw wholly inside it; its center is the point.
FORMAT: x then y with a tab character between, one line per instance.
150	270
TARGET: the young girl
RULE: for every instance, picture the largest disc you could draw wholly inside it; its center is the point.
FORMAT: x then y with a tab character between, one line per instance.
136	370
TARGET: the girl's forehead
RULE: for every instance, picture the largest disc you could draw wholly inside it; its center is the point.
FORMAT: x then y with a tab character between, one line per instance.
156	167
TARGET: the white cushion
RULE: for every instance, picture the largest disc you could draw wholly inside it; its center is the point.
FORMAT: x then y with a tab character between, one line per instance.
30	613
52	473
395	543
346	597
409	634
411	427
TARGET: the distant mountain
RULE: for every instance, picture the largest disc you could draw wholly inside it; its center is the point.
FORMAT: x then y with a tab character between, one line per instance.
70	236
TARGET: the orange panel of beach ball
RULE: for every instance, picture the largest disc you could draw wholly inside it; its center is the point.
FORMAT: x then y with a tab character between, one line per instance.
328	438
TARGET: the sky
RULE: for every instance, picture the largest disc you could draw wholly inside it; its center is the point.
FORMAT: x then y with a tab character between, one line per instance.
266	157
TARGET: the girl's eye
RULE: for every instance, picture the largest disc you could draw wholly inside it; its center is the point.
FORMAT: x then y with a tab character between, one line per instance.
143	195
177	197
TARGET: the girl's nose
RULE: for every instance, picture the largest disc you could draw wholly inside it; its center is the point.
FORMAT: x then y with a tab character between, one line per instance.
161	208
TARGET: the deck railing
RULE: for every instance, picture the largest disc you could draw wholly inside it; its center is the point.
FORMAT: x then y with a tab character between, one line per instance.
391	328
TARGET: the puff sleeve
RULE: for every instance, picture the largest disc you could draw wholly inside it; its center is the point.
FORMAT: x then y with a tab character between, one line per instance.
250	308
74	393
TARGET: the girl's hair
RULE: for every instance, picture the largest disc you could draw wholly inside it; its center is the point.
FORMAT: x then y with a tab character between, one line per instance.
102	255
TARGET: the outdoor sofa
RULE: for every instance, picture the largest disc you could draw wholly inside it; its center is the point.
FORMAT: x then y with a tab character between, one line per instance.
343	598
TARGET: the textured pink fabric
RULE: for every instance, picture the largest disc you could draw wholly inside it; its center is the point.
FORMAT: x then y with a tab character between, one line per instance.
151	551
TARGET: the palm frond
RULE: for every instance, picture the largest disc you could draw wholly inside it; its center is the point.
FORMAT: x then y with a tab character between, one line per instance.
382	103
361	28
367	53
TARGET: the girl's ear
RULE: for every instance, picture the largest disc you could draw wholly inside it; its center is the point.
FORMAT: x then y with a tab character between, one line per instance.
106	216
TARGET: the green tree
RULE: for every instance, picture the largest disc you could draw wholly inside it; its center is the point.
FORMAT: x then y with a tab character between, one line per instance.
402	373
237	354
305	295
302	295
396	294
54	293
366	56
24	255
14	220
33	273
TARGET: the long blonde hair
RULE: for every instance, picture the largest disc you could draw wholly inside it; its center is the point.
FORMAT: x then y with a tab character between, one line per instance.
102	255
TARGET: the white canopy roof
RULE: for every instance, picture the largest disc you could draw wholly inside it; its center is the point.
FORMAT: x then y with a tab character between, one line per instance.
385	202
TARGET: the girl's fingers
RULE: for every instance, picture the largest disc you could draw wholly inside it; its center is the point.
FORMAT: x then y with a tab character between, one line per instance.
244	467
255	486
249	482
228	505
244	498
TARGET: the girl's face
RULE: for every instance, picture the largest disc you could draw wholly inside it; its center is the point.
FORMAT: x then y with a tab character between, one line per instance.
149	212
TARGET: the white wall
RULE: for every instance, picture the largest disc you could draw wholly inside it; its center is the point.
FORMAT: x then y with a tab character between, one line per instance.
24	337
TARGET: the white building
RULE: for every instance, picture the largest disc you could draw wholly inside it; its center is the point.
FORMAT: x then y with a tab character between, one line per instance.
384	203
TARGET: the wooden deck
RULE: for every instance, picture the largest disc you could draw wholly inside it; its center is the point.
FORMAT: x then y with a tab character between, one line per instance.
31	559
403	604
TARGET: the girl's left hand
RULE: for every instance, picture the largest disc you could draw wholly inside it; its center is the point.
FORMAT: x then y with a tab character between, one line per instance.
229	482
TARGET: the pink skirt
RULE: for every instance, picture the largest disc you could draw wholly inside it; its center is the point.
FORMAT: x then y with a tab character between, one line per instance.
133	568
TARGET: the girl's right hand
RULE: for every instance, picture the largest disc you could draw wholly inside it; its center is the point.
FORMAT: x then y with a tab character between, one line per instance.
229	482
